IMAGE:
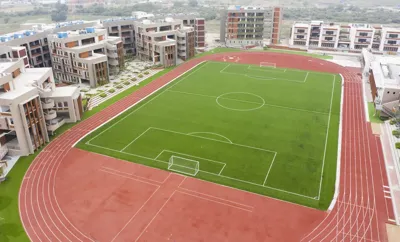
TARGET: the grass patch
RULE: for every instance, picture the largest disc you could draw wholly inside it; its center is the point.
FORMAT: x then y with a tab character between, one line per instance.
197	117
140	76
398	145
373	118
111	90
103	95
127	83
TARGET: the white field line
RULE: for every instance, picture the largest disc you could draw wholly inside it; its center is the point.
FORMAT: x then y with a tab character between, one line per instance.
305	78
244	101
165	203
183	172
326	138
211	200
339	152
247	146
270	166
221	71
365	102
214	197
127	176
192	156
227	177
193	134
134	215
135	139
145	98
258	68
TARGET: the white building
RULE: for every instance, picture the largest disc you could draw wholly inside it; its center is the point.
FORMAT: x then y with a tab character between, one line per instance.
344	37
31	106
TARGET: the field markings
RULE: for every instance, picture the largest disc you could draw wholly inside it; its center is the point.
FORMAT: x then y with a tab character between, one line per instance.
145	103
244	101
168	89
326	137
211	173
135	139
272	163
193	134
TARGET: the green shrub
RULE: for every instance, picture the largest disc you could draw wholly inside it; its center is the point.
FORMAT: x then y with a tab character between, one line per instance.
103	95
99	91
133	79
127	83
116	83
392	121
111	90
398	145
140	75
146	72
84	90
119	86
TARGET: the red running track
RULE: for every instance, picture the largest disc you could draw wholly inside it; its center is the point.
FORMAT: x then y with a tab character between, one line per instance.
73	195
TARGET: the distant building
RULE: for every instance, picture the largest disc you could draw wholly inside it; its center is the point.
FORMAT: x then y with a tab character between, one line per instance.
248	25
164	41
383	73
34	39
345	37
31	106
199	27
86	56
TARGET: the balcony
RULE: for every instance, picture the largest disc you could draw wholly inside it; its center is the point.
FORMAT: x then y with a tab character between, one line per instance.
5	77
50	115
48	104
54	124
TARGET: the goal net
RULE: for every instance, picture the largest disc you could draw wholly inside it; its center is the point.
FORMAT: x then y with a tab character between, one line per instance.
183	165
267	64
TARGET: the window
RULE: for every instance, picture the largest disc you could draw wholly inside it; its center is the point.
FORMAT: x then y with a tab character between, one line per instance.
300	31
392	42
393	35
329	32
329	38
363	34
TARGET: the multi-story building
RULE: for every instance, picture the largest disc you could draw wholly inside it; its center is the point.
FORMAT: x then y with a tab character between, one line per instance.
123	28
35	40
354	37
86	56
199	29
247	25
31	106
164	41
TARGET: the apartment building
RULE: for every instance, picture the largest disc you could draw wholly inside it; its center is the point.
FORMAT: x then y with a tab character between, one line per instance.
86	56
31	106
248	25
346	37
123	28
164	41
34	40
199	29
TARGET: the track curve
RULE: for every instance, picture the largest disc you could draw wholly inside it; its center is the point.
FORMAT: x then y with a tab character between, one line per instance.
359	214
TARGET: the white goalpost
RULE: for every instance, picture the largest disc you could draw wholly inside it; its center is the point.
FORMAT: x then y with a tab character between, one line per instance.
183	165
267	64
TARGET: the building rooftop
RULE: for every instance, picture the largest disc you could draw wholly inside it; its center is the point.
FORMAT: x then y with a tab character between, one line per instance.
64	91
386	71
25	79
4	65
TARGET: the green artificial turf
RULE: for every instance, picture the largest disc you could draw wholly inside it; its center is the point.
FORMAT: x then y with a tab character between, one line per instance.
11	229
259	129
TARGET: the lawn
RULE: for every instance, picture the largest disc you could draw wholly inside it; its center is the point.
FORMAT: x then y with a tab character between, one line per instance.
266	130
11	229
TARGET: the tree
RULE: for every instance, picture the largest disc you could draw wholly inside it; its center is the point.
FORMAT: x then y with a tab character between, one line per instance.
193	3
60	12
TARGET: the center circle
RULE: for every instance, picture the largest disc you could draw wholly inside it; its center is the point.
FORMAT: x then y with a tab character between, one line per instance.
240	101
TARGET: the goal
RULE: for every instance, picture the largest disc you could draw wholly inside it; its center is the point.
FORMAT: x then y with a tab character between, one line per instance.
267	64
183	165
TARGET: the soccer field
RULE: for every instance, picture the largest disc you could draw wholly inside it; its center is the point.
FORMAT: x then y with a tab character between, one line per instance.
263	129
